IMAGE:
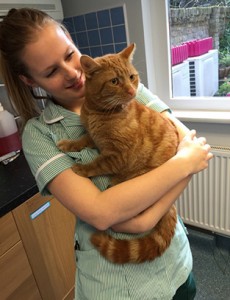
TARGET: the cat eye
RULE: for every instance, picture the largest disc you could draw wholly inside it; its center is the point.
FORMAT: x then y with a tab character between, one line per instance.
115	81
132	77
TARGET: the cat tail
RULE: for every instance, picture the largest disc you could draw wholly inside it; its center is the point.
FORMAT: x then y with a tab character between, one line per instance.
138	250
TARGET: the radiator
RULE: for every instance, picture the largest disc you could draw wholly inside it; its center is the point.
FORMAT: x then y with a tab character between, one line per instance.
205	203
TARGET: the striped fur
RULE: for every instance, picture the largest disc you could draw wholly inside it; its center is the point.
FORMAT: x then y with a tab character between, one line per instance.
132	139
138	250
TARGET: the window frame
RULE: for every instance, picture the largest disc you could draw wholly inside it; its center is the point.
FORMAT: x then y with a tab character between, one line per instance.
158	64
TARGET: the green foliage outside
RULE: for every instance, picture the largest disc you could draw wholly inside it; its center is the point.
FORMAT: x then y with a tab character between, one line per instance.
224	89
224	61
224	46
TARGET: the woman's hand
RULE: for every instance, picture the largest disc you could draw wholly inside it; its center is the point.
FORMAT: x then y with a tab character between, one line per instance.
195	152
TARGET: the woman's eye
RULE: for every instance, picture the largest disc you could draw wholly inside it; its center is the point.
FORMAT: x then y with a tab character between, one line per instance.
115	81
51	73
69	56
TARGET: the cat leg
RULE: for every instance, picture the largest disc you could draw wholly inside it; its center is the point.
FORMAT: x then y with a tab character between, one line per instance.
76	145
102	165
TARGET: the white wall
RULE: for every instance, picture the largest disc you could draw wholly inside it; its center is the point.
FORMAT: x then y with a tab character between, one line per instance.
216	134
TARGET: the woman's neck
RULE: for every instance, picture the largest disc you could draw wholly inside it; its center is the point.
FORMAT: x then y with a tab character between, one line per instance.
74	107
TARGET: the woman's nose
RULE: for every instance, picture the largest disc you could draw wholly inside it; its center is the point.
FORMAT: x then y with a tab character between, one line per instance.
69	72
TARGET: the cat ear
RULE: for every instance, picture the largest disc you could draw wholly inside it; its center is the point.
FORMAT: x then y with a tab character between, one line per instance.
88	64
128	52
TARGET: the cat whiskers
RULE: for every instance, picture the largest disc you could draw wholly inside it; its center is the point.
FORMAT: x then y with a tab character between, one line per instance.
112	105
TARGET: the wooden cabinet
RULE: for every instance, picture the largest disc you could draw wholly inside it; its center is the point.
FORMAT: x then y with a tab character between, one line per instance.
16	277
43	234
9	235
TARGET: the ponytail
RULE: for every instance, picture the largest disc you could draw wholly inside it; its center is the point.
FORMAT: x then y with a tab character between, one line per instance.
17	29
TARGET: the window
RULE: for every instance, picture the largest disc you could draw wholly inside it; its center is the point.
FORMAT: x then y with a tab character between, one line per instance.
160	71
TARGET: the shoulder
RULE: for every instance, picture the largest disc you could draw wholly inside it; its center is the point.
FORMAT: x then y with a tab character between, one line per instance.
146	97
42	154
33	126
35	133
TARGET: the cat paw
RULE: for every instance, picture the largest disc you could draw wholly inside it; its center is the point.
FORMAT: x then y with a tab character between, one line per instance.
80	170
63	145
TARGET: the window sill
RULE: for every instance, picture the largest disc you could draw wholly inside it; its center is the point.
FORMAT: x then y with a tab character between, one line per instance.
221	117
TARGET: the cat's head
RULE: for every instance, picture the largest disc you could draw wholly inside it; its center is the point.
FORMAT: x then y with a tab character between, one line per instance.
111	80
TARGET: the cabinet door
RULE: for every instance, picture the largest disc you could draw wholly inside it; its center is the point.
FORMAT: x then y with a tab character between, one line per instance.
8	233
47	232
16	277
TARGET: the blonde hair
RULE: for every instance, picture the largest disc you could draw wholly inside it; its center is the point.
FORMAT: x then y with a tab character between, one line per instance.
17	29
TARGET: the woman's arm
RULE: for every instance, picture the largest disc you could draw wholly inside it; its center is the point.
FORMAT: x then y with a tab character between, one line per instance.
122	202
152	215
181	128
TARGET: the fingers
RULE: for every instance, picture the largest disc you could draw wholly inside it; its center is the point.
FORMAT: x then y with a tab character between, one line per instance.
202	141
190	135
207	147
210	155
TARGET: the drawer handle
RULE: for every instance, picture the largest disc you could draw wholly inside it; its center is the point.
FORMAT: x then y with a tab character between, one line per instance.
40	210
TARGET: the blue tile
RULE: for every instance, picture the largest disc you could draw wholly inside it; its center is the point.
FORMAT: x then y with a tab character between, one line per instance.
117	16
104	18
94	39
79	23
82	39
108	49
120	47
119	34
68	23
74	38
96	51
91	21
106	36
85	51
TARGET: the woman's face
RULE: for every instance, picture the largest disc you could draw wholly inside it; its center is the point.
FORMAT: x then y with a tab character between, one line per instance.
53	63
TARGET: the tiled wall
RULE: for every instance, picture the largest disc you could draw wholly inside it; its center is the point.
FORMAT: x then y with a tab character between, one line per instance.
99	32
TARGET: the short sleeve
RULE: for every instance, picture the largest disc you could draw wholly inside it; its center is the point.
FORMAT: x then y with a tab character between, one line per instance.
146	97
44	158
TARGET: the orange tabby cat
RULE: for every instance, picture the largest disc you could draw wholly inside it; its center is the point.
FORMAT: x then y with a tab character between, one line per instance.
132	139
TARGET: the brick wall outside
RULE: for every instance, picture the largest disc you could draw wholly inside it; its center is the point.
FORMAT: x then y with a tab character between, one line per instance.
198	22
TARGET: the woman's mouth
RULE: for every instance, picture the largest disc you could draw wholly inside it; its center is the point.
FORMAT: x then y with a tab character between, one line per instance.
78	83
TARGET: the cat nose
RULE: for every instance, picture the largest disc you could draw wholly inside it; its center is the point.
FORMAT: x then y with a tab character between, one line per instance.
131	92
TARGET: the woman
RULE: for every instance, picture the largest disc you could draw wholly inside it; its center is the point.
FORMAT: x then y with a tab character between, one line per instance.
36	51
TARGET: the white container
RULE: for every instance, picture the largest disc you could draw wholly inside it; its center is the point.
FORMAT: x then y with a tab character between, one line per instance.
9	136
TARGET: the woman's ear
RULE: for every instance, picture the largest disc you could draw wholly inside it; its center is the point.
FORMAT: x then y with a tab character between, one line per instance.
28	81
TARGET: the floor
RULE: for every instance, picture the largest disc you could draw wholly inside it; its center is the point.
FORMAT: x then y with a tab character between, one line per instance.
211	260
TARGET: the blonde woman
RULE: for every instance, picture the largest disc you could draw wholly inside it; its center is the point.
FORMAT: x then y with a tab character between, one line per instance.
36	51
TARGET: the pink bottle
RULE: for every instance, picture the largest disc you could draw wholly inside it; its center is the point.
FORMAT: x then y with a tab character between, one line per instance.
9	136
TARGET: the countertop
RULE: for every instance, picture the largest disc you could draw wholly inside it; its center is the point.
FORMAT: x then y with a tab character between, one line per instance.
17	184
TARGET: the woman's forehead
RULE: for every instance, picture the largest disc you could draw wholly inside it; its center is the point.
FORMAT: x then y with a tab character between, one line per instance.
50	44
